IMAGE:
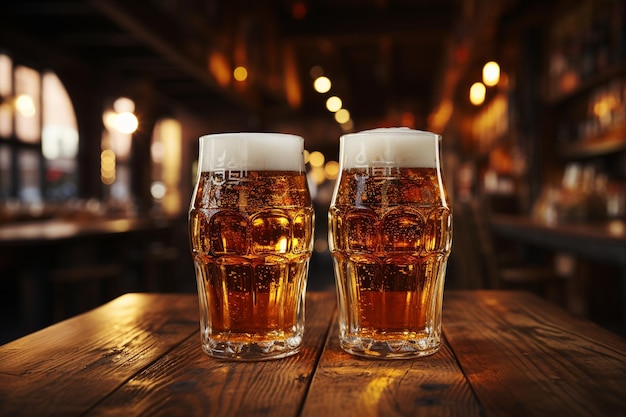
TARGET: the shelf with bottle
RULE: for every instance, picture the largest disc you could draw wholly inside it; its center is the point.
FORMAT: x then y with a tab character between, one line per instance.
586	48
596	124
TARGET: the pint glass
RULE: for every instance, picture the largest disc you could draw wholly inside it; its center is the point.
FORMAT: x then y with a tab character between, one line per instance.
251	231
390	234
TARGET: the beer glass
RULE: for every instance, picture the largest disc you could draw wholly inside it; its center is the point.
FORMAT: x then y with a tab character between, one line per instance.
251	236
390	234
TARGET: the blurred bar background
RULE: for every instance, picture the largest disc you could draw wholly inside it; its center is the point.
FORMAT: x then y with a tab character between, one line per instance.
102	103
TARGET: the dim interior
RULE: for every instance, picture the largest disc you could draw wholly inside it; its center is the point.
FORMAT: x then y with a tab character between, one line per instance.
102	111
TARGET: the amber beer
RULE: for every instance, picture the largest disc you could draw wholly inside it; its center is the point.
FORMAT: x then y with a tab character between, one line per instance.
251	230
390	234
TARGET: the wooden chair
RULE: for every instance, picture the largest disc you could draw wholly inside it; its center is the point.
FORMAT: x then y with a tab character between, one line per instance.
499	269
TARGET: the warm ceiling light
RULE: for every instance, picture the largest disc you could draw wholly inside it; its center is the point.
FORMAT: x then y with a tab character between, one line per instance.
322	84
491	73
25	105
107	167
126	122
316	159
240	73
477	93
333	103
342	116
108	117
332	169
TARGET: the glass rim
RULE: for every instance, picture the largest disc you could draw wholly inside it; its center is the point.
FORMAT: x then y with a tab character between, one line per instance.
390	132
250	135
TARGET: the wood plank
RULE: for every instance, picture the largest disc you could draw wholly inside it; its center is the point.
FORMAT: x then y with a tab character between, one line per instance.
187	382
67	368
346	385
526	357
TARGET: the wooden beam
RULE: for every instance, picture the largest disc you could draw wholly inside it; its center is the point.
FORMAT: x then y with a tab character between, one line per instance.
156	32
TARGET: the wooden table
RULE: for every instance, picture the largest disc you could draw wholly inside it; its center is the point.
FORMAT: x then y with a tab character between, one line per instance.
505	354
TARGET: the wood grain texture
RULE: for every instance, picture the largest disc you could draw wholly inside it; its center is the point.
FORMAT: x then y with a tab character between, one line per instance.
67	368
348	385
506	353
187	382
526	357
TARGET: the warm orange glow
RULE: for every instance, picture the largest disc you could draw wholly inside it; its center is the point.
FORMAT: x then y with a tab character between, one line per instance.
491	73
333	104
407	119
291	80
322	84
316	159
332	169
342	116
107	167
440	117
167	158
477	93
25	105
240	73
220	68
126	122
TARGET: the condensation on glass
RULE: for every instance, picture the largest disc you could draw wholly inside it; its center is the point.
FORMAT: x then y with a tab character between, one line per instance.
251	232
390	235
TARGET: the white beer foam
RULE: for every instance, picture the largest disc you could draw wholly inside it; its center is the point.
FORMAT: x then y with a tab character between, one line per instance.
251	151
399	146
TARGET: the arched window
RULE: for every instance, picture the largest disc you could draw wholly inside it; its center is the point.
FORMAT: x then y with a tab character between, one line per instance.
38	135
166	153
59	139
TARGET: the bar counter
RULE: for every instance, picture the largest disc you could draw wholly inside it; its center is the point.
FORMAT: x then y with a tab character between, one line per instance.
601	241
593	241
41	258
42	232
505	353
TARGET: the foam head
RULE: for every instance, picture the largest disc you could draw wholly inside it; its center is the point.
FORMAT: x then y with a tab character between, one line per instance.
400	146
251	151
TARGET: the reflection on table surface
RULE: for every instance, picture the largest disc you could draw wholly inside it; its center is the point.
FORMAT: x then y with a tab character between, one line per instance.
504	353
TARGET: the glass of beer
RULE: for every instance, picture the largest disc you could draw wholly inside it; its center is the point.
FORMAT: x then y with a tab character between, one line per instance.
390	235
251	236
